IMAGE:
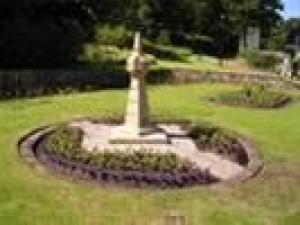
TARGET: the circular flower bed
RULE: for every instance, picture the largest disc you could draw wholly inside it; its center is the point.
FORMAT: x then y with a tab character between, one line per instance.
61	150
257	96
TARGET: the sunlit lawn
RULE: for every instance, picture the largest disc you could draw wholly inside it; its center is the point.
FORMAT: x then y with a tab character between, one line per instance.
29	196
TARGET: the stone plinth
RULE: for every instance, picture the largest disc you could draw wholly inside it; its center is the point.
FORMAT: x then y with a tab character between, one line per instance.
126	135
97	137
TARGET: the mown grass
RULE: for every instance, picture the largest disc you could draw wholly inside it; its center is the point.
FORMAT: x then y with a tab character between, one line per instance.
29	196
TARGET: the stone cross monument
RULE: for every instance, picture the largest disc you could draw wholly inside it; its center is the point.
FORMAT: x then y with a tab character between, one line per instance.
137	108
137	128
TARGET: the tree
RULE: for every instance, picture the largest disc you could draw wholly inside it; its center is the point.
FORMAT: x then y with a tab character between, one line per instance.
42	33
285	34
51	32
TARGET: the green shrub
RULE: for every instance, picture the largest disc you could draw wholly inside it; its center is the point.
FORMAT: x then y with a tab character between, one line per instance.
255	96
168	52
262	60
108	52
109	35
65	140
105	55
207	135
218	141
136	161
109	58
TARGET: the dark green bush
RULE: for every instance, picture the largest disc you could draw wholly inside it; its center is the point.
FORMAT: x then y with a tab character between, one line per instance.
256	96
262	60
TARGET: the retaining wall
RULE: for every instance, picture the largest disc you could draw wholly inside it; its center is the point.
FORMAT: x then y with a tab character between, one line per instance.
28	83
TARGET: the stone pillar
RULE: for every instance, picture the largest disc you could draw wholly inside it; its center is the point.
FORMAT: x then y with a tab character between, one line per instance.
250	39
286	68
242	42
253	38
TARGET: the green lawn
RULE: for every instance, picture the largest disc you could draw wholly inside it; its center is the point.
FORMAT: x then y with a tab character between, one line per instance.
33	197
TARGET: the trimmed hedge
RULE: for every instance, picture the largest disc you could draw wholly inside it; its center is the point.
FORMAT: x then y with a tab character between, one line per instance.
30	83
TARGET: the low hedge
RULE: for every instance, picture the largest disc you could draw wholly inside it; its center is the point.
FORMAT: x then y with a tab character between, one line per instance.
30	83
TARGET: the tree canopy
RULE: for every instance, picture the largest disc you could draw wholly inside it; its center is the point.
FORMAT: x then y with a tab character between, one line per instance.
51	32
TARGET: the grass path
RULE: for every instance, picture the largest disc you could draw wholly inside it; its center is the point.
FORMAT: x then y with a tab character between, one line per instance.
31	197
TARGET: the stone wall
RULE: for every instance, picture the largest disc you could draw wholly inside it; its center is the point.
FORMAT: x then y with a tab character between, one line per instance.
190	76
23	83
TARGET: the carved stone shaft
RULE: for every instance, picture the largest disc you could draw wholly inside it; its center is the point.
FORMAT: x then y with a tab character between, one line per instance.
137	108
137	129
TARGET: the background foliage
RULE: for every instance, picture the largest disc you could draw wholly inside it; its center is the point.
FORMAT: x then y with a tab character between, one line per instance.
51	33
